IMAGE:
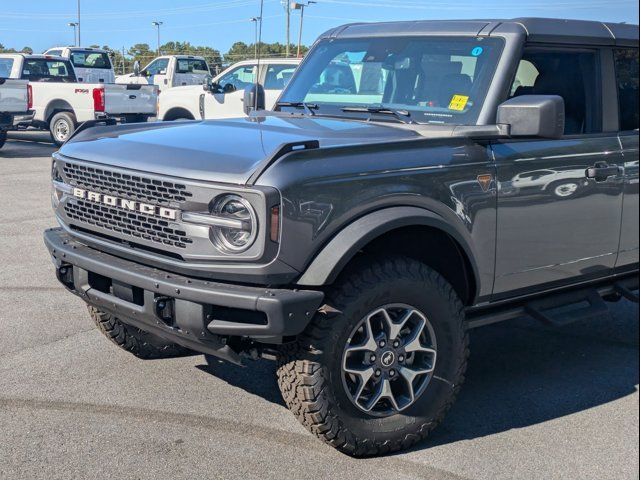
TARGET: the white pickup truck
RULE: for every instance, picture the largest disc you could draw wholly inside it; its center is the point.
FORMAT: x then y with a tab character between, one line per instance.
14	100
92	65
170	71
223	96
60	102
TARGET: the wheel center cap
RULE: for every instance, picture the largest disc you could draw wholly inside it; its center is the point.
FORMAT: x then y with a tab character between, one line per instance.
387	358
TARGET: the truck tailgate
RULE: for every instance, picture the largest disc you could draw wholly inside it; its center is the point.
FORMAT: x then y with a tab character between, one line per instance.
13	96
130	99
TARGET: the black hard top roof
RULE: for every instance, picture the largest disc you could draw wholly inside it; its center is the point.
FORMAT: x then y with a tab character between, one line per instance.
543	30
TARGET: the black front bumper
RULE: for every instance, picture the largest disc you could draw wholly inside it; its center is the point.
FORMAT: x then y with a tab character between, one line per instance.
199	314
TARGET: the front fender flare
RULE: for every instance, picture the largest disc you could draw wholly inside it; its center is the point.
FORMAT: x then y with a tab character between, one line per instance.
326	266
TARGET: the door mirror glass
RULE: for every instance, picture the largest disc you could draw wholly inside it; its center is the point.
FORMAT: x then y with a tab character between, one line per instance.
533	116
211	86
253	98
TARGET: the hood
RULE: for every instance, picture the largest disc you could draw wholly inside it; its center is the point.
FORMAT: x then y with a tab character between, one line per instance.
226	151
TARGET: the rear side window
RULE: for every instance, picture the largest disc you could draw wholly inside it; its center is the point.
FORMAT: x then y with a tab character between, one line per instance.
6	64
569	74
90	60
626	60
192	65
45	70
278	76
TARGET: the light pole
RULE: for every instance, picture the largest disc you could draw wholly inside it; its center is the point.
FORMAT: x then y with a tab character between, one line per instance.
78	22
157	25
287	9
74	25
255	20
300	6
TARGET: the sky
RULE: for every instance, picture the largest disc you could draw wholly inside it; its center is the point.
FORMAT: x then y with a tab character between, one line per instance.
41	24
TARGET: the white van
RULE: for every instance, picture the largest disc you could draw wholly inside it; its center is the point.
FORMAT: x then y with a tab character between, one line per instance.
92	65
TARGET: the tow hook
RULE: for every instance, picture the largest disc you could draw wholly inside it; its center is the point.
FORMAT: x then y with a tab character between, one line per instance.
64	273
164	308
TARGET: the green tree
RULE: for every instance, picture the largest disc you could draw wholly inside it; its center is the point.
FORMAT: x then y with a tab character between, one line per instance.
241	51
212	55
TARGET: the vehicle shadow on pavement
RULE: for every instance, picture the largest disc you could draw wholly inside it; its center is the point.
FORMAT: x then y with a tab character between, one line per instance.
258	379
27	145
520	373
523	373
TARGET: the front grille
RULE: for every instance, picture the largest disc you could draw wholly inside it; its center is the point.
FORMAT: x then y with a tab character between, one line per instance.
126	185
122	221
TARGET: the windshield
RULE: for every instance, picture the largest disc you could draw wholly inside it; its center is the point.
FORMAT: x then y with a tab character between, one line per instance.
90	59
433	79
48	70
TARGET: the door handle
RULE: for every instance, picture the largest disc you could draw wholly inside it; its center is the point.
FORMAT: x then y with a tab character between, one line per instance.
601	171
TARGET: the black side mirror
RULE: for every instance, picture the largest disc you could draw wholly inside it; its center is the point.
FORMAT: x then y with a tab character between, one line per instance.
253	98
212	87
533	116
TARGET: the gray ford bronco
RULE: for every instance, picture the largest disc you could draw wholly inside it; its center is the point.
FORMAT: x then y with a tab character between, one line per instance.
417	180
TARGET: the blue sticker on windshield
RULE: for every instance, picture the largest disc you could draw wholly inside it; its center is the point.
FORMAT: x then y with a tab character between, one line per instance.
477	51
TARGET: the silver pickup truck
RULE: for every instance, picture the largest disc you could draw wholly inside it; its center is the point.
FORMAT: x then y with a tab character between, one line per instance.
61	103
14	100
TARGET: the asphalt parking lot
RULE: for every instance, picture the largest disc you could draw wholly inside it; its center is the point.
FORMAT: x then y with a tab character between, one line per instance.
539	403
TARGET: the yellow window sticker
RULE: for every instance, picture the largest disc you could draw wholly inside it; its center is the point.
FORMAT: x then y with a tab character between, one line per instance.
458	102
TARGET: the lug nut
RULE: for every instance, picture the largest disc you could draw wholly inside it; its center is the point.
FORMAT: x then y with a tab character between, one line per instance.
396	344
372	358
378	373
392	373
401	358
382	343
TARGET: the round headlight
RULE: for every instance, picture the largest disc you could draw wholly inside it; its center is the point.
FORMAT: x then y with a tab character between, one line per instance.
242	228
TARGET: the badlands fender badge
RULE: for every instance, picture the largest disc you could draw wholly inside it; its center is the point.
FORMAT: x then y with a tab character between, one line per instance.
485	181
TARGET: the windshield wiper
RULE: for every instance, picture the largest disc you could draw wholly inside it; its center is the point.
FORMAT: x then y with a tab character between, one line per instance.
308	107
402	115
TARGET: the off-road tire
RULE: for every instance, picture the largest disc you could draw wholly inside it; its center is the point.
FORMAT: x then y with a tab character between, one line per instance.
309	370
69	120
138	342
3	137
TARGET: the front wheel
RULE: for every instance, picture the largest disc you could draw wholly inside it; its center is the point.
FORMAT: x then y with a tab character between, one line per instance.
62	126
138	342
381	374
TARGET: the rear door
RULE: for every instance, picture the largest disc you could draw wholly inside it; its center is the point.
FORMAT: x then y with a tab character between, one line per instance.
626	66
555	225
190	71
92	66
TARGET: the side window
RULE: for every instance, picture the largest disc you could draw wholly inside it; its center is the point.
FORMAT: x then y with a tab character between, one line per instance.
278	76
238	78
189	65
626	61
525	78
569	74
6	65
157	67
